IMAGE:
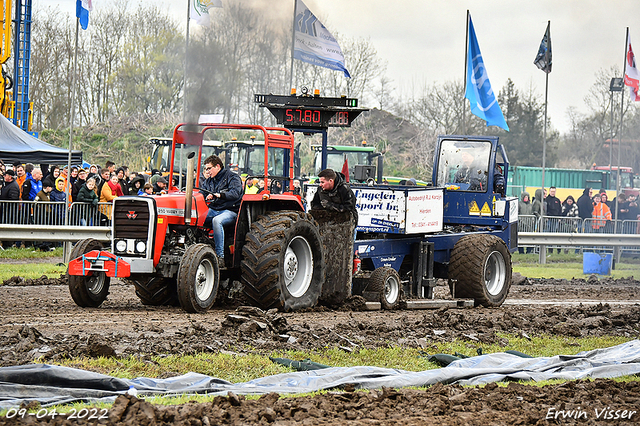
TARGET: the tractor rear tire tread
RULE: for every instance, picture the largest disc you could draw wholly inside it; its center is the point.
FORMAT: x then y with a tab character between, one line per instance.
155	291
466	266
262	258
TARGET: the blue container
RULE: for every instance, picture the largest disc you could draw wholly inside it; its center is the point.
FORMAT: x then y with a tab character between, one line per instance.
597	263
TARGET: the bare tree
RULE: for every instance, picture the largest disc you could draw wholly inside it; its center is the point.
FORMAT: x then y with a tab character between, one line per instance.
149	78
590	131
443	109
384	94
108	31
50	81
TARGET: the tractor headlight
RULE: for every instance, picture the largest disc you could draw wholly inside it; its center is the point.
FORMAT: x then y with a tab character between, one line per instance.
141	246
121	246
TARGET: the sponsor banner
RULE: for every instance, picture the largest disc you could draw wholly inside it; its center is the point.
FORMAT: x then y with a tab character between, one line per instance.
314	43
380	209
396	211
424	211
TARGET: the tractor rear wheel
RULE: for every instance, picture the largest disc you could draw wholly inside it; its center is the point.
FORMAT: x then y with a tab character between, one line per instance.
282	262
198	278
155	291
481	266
91	290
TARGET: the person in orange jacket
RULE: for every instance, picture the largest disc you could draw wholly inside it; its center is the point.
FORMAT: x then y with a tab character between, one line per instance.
601	214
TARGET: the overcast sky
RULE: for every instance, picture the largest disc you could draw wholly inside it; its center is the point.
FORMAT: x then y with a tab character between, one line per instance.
423	40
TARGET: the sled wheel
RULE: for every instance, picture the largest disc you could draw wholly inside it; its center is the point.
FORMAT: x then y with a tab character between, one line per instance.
481	264
155	291
386	281
88	291
198	278
282	265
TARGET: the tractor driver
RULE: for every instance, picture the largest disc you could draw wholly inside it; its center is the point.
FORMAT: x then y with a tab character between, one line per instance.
471	173
225	194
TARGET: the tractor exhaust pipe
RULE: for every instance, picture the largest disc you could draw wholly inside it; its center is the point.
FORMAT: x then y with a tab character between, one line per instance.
189	189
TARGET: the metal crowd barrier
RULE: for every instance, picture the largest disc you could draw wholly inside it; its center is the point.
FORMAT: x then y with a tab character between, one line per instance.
46	221
528	223
54	213
553	224
51	221
563	233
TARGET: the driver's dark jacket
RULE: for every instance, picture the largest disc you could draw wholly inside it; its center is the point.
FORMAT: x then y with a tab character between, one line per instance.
340	198
229	185
475	176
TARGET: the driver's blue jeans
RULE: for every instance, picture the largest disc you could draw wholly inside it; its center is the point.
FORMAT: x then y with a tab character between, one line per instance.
216	220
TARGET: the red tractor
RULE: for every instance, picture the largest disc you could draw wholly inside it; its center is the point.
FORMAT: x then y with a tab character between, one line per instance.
159	244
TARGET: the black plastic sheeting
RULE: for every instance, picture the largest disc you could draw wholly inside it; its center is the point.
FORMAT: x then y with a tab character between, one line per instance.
51	385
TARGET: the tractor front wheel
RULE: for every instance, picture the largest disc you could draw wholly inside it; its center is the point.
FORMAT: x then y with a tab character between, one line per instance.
91	290
198	278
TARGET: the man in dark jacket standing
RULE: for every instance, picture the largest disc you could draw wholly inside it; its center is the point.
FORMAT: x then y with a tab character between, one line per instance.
225	194
10	191
554	205
585	204
79	183
334	194
554	208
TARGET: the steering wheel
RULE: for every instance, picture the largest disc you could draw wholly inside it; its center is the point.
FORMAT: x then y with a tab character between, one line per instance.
274	188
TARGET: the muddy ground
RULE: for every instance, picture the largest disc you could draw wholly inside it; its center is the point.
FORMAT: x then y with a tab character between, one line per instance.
40	321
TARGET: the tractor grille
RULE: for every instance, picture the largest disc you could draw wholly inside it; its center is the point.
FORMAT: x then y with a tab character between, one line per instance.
131	219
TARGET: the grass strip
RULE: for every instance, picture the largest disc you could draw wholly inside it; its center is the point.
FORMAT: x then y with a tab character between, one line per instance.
237	368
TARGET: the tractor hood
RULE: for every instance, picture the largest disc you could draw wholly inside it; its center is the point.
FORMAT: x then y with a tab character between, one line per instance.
171	207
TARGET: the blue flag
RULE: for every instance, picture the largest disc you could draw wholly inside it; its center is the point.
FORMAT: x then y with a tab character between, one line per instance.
83	7
314	43
479	92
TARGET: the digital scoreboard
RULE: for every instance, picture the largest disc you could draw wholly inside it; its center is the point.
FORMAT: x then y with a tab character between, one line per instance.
312	117
311	112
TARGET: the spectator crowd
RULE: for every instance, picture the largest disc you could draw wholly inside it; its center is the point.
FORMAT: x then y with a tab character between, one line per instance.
593	210
91	191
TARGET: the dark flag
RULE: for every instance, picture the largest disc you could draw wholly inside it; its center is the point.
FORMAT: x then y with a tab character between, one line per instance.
543	58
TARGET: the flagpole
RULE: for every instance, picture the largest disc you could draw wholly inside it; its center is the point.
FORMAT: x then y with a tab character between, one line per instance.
186	56
66	248
293	43
624	72
464	78
544	133
546	102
